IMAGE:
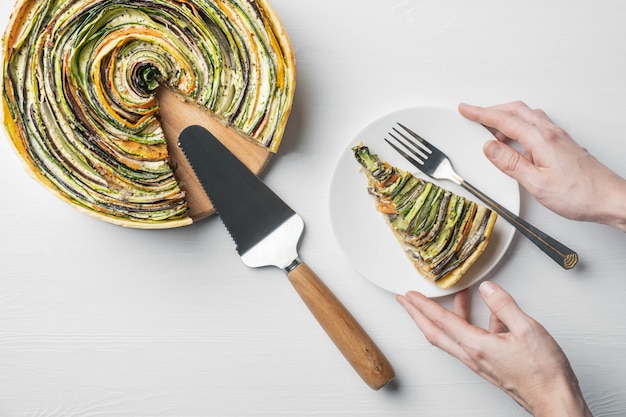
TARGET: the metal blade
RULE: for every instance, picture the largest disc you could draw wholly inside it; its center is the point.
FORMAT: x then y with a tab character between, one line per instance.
264	228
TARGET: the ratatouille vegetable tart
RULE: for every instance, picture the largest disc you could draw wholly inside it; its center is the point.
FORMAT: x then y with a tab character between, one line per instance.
79	83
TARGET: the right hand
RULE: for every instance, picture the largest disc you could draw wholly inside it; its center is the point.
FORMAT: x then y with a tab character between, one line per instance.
559	173
515	353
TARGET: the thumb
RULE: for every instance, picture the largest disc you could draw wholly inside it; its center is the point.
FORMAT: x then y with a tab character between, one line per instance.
503	306
508	160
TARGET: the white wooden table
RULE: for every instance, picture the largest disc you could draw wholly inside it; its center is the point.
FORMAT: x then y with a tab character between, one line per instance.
98	320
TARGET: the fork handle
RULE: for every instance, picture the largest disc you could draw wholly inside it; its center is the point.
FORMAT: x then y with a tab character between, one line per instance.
560	253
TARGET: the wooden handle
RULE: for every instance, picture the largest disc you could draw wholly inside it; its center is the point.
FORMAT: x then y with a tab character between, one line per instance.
560	253
347	334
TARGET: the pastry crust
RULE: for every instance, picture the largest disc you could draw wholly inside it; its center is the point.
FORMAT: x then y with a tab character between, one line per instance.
79	93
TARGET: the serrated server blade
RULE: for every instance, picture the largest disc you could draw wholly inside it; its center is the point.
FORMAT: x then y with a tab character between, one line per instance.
265	229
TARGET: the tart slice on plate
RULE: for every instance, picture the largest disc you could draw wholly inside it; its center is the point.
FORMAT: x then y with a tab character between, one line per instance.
442	233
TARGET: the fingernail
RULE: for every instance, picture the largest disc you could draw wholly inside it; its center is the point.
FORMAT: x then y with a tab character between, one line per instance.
487	288
492	149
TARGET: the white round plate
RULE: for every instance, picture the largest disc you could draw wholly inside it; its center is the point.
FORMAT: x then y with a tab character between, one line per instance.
362	233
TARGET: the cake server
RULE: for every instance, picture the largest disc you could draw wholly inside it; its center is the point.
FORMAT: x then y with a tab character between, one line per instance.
266	232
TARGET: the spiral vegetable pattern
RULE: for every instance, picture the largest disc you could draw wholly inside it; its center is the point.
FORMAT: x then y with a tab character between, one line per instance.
79	92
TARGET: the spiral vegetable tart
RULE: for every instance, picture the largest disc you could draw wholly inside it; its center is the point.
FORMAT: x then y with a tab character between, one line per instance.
79	83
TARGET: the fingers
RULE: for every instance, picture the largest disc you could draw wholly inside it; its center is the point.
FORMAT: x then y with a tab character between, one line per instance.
505	117
499	135
506	313
442	328
413	304
509	161
496	326
512	120
461	304
461	307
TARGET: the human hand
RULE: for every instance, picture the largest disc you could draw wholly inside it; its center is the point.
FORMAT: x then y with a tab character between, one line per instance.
516	353
559	173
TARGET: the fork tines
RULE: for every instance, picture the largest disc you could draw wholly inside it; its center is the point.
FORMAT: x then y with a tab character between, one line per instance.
420	148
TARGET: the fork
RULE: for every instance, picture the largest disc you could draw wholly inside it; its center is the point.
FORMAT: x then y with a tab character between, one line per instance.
434	163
